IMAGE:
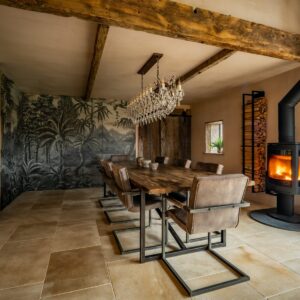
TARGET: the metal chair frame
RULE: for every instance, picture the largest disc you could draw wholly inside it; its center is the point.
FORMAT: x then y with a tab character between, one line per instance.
242	276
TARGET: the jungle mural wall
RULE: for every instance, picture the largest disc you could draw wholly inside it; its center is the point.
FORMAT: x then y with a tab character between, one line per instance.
54	142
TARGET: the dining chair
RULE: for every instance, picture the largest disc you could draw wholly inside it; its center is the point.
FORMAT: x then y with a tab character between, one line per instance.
185	163
131	198
119	157
109	180
209	167
164	160
106	172
214	205
180	199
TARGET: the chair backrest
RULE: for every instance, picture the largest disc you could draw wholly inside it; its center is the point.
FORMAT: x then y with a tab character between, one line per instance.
107	166
185	163
215	190
210	167
122	180
119	157
162	160
101	166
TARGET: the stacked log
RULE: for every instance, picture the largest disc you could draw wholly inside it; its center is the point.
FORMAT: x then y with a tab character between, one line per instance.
255	141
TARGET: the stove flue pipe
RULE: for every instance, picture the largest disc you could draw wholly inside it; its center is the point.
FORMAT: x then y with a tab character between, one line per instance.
286	115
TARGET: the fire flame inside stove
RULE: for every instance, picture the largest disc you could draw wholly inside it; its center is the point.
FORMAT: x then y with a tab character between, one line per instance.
280	167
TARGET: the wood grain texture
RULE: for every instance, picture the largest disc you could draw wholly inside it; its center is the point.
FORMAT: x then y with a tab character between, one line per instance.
204	66
169	137
102	31
176	20
165	179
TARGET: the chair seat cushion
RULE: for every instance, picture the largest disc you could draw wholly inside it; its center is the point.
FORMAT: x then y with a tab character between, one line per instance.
152	202
179	216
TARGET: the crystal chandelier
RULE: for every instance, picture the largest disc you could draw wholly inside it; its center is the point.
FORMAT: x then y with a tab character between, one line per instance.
156	102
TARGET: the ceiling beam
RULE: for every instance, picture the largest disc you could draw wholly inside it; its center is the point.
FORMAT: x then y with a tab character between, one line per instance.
154	59
176	20
102	31
204	66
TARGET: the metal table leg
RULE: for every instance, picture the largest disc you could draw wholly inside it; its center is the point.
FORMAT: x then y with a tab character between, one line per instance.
142	227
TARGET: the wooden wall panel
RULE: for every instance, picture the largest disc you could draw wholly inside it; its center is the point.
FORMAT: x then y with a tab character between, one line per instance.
169	137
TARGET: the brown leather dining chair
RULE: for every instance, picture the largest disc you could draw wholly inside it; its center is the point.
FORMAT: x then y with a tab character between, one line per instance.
214	205
131	198
180	199
209	167
109	180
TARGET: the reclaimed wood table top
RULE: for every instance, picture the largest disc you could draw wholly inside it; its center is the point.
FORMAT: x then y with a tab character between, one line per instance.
165	179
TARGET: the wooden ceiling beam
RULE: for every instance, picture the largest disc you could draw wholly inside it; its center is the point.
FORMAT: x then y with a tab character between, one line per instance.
102	31
207	64
176	20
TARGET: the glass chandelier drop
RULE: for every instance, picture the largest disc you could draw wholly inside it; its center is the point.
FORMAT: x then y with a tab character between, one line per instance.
156	102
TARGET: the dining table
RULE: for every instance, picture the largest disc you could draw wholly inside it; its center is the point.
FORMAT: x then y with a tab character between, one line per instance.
164	180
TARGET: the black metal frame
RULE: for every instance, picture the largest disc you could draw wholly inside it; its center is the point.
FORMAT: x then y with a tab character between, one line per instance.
254	95
113	209
183	249
193	240
108	197
242	276
127	251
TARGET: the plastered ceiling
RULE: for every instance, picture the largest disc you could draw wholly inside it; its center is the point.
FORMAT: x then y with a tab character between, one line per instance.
49	54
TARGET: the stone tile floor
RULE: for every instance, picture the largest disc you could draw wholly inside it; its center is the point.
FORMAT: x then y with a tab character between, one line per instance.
58	245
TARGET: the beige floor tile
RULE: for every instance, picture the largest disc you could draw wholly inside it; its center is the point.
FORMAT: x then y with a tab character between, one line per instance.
48	203
190	266
241	291
131	239
74	270
29	292
34	231
29	197
76	235
132	280
82	194
119	215
290	295
24	262
293	264
246	228
268	277
20	205
110	249
52	193
105	228
103	292
213	278
276	241
6	231
79	204
80	214
10	215
42	216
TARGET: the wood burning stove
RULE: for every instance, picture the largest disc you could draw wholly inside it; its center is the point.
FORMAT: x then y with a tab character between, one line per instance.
283	168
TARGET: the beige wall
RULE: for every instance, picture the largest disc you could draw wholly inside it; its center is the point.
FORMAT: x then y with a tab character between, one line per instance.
228	107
